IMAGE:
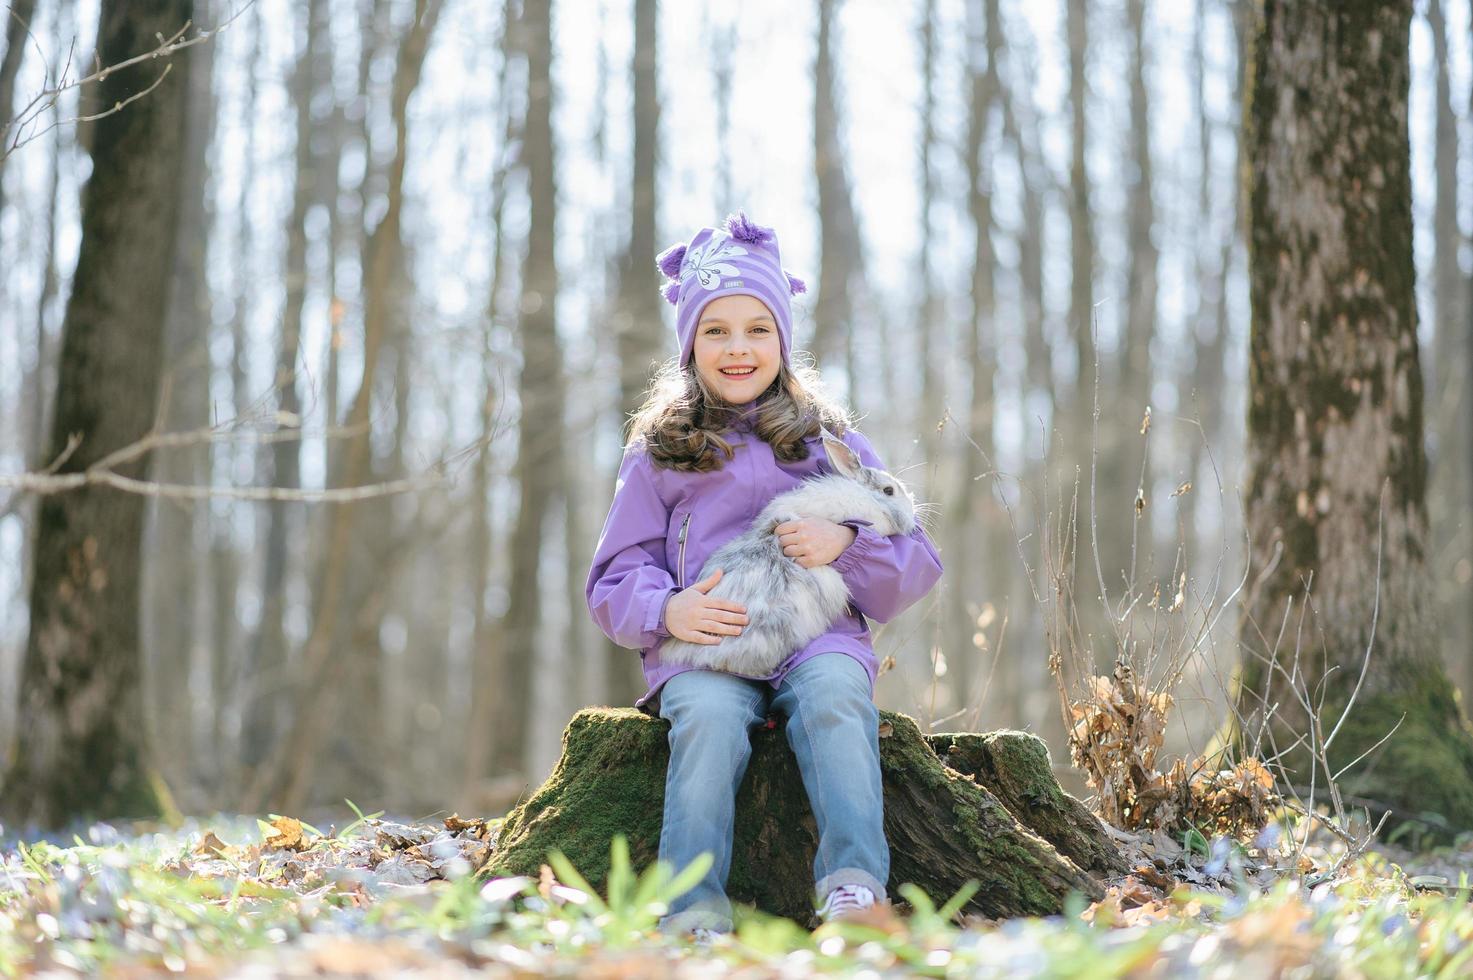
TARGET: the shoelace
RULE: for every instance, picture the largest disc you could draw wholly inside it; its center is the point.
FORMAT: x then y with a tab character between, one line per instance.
845	899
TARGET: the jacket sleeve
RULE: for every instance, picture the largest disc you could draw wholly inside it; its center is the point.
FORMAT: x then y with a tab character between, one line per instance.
886	574
629	584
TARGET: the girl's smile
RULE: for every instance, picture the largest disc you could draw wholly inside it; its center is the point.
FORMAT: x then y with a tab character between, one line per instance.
737	350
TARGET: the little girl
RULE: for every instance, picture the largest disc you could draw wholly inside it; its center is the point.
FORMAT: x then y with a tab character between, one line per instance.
728	425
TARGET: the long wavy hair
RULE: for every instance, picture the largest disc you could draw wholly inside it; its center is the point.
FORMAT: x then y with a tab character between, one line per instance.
681	420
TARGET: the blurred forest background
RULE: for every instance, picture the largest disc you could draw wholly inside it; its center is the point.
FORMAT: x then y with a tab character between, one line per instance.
413	251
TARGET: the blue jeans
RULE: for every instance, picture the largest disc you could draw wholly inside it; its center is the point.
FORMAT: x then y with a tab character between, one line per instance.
833	729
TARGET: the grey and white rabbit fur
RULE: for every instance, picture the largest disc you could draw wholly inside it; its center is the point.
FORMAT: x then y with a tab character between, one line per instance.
789	606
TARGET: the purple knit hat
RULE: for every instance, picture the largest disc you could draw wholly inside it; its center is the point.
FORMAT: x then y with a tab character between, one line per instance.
741	260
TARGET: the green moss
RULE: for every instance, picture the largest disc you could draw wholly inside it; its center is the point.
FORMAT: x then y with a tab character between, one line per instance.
1015	766
610	780
1424	767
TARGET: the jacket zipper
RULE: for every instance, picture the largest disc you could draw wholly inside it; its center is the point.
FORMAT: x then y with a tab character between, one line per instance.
684	526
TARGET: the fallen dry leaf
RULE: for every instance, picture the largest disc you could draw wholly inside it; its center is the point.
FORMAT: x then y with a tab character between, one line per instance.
287	835
210	844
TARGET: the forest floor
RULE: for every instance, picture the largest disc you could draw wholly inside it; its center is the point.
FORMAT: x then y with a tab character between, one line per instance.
242	897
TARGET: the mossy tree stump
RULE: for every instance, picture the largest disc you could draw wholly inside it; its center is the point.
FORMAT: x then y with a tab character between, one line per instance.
956	807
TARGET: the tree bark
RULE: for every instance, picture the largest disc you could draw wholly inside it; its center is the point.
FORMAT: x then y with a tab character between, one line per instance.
1337	472
1124	531
1451	496
238	686
972	512
284	779
38	384
175	594
81	745
1028	677
640	328
943	825
284	519
839	251
1081	238
487	631
930	326
18	19
539	476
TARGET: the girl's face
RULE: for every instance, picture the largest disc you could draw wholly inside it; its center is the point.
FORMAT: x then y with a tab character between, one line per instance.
737	351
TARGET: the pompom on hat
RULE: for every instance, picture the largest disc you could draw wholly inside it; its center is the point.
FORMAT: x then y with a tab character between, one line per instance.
741	259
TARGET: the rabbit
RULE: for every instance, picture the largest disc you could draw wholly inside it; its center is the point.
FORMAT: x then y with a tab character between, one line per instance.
788	606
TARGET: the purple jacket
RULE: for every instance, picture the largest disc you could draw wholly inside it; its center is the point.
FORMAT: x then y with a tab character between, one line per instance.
663	525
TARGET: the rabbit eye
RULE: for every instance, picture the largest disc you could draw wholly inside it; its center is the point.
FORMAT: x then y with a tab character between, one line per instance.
889	491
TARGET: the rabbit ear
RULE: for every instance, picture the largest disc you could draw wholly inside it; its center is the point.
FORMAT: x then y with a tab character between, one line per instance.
842	457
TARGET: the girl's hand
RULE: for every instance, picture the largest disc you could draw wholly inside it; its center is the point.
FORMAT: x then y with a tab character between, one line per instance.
814	541
695	617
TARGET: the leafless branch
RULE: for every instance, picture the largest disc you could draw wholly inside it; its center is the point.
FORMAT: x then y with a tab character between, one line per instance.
21	129
104	471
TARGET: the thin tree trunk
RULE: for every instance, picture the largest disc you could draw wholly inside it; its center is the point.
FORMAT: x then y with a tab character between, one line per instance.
1337	470
722	58
641	331
269	656
488	636
1123	532
1079	441
81	747
356	742
18	19
929	328
173	589
839	258
1025	688
38	384
1081	240
317	697
1451	498
240	686
972	500
539	475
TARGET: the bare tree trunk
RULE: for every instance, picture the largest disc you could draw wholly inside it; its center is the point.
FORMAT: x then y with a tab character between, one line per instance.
284	518
38	384
317	698
722	58
641	331
17	20
1024	686
1076	419
840	258
929	329
971	499
1081	241
1337	470
81	747
373	589
1123	533
540	432
239	687
1451	498
174	591
489	637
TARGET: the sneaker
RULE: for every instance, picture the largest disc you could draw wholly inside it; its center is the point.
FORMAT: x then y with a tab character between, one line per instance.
844	901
